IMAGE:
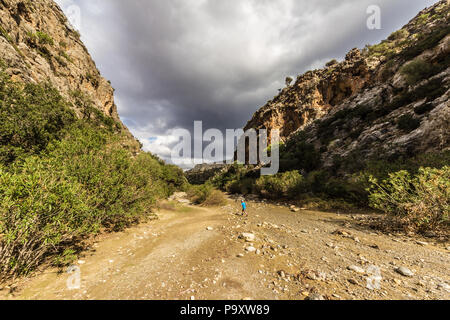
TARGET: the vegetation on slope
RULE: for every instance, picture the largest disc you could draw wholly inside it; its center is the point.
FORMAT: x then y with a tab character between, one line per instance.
414	191
412	188
63	179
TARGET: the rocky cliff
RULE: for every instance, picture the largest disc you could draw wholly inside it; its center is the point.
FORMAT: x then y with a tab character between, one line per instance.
313	95
38	44
385	101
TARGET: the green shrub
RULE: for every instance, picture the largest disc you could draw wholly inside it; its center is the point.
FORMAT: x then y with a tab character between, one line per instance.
30	117
40	211
224	179
425	42
122	188
83	184
215	199
44	38
319	203
380	169
420	201
93	79
65	56
90	113
282	185
385	48
398	35
242	186
63	179
423	19
198	194
417	70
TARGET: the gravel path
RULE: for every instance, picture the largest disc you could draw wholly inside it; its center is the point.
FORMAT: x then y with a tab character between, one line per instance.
205	253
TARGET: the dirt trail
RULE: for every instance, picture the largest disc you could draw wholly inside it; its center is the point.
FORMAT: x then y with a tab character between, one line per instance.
196	253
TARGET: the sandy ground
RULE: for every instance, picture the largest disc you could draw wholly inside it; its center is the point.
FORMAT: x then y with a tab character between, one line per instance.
196	253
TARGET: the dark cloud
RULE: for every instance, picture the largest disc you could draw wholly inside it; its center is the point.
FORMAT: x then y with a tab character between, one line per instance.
176	61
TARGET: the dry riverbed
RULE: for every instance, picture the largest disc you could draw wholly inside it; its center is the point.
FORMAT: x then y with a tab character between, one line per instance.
212	253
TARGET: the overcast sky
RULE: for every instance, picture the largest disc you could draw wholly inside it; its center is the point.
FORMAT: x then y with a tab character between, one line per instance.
176	61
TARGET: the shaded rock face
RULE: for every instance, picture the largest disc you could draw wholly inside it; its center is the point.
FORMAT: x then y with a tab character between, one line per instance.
374	104
38	44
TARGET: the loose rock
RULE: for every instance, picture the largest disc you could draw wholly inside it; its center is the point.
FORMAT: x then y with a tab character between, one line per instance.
249	237
356	269
404	272
250	249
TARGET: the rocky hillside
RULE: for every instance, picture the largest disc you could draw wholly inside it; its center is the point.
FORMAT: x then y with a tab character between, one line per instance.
385	101
38	44
203	172
69	169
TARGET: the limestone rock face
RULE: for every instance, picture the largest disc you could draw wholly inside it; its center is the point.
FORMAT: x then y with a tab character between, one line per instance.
38	44
312	96
385	101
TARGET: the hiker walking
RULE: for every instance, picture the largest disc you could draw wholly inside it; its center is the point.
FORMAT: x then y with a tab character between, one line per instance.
244	207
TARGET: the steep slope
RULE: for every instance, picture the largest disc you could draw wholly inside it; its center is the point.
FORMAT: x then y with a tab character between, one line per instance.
386	101
38	44
69	169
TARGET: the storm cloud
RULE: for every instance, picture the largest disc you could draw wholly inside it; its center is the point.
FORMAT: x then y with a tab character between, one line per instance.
176	61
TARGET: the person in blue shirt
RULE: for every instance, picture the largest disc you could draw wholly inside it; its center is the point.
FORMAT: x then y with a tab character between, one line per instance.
244	207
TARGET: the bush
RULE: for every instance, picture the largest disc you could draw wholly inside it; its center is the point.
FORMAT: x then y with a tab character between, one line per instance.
40	211
122	189
425	42
417	70
423	19
420	201
282	185
83	184
385	48
243	186
199	193
63	179
398	35
215	199
173	177
30	117
205	195
44	38
234	173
